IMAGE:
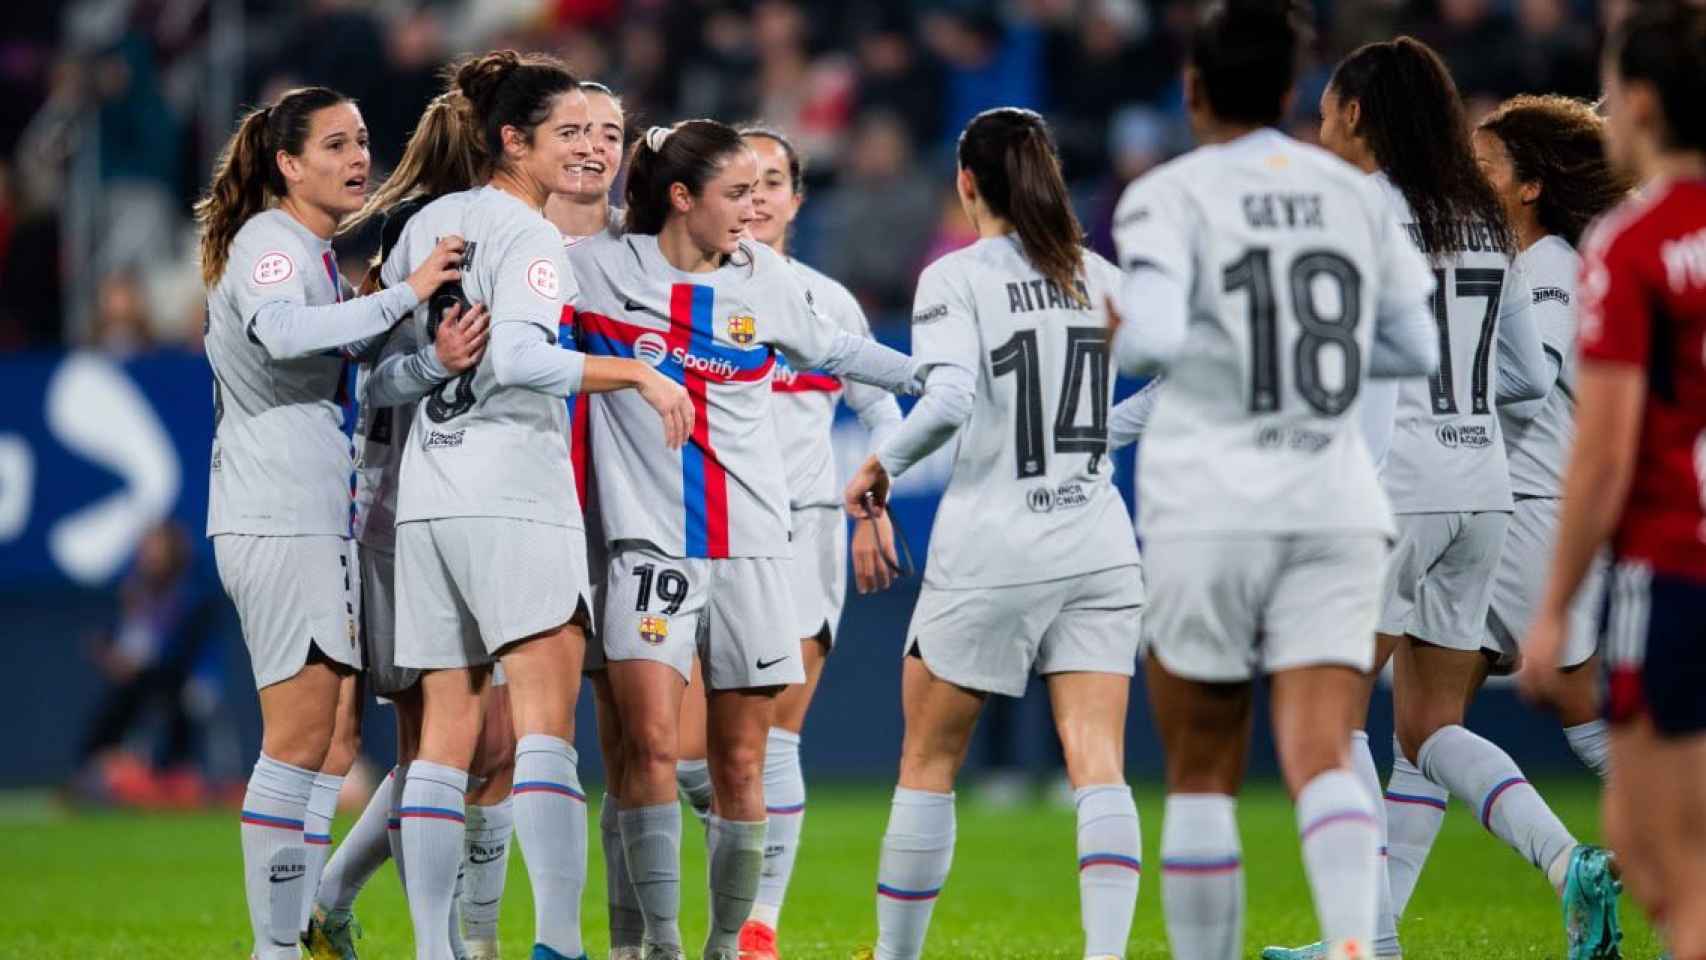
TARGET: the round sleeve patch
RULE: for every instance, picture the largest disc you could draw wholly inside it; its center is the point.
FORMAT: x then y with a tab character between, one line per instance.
542	277
274	267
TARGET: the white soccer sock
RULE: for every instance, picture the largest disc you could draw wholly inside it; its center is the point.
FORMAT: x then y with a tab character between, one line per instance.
1385	919
317	834
394	824
275	861
432	827
918	848
651	839
785	804
1341	843
1110	863
550	818
1415	808
693	778
485	867
365	847
627	923
735	856
1484	776
1592	743
1202	876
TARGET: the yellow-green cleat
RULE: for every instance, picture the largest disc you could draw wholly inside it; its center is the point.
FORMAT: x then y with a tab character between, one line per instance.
331	934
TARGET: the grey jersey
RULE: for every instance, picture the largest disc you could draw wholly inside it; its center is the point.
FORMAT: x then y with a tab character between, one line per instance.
1292	261
281	463
1031	497
1537	448
1447	452
379	436
477	449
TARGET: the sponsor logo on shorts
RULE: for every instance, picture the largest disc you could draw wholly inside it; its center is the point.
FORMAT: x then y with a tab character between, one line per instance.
930	314
271	268
651	348
742	329
1064	497
1559	294
1296	439
1454	435
443	440
654	630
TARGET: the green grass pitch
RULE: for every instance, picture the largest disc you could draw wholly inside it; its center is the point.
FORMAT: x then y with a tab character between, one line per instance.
158	887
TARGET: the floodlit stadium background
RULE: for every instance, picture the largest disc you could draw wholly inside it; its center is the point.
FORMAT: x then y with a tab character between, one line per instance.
111	111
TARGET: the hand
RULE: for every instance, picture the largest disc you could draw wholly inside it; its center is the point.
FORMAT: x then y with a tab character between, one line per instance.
874	560
461	341
672	403
441	266
1539	681
869	478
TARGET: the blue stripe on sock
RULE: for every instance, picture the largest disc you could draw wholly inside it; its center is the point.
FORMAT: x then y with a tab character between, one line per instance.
546	786
431	813
1340	816
323	839
1493	797
267	820
1110	860
895	893
796	808
1201	865
1434	802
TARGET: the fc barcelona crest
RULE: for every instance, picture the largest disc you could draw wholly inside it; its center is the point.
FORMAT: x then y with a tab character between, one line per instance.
654	630
742	329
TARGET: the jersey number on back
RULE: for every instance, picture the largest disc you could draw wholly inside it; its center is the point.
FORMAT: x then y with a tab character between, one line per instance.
1253	273
1086	351
1484	283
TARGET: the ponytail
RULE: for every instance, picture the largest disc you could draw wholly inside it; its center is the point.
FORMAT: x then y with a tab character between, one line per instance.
445	154
689	153
246	178
1013	159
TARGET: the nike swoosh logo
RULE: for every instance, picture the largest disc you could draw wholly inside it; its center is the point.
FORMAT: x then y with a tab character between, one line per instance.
482	860
767	664
278	879
631	307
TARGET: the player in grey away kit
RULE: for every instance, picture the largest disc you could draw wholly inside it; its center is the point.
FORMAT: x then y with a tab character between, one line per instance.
279	318
491	557
1032	567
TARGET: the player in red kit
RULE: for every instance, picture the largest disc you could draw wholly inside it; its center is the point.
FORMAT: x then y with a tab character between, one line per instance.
1637	475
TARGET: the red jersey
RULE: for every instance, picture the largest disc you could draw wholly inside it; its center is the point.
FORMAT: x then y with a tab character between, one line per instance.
1643	289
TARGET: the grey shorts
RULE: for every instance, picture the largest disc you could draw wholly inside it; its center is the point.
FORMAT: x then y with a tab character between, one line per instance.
1225	608
817	573
992	639
733	613
291	594
379	623
1521	577
1439	585
468	586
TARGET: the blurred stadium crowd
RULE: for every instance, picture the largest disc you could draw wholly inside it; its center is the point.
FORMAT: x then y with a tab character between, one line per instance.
110	111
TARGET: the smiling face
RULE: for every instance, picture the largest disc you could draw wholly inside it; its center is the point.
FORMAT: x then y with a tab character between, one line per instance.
331	172
774	202
553	153
721	214
604	136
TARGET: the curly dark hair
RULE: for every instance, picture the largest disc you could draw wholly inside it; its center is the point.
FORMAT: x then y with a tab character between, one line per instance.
1559	143
1413	121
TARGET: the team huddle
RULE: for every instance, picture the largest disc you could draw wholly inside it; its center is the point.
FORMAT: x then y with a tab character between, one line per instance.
1386	424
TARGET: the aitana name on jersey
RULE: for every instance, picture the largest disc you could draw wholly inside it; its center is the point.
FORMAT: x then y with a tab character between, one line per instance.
652	348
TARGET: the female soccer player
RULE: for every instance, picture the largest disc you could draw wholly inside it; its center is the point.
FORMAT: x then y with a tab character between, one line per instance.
445	154
1634	478
1392	110
490	554
804	407
699	539
1271	282
279	497
1032	567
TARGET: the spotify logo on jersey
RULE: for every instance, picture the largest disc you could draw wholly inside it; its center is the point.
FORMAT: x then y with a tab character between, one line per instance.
651	348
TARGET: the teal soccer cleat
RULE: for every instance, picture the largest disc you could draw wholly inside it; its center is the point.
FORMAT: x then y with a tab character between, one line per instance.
1590	905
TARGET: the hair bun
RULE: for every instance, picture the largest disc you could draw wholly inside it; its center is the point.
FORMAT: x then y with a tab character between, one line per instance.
479	77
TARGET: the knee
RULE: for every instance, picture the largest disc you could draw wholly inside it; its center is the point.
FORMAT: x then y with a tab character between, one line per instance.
340	756
651	745
737	769
1416	725
306	745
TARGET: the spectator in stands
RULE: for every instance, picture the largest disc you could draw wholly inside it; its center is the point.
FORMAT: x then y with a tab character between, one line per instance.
811	99
877	219
899	76
122	325
989	64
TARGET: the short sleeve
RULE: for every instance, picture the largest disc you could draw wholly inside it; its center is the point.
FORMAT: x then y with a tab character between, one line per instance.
267	265
1615	317
533	281
944	320
1152	225
1406	278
